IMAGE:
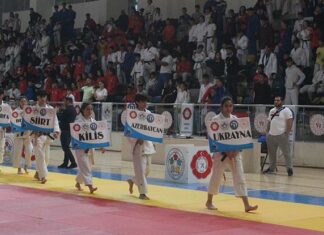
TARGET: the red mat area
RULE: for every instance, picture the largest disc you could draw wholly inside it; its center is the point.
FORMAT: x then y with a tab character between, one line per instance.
31	211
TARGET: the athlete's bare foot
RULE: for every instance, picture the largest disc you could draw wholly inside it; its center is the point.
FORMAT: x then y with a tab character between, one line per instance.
26	170
251	208
92	188
36	175
78	186
131	184
210	206
143	197
43	180
19	171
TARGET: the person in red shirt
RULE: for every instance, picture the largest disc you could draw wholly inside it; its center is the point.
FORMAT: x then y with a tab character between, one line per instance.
183	69
130	95
22	84
90	23
168	32
48	81
79	67
76	92
60	59
55	93
111	81
260	70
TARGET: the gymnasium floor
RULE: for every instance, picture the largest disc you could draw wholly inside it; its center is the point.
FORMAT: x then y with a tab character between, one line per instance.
286	205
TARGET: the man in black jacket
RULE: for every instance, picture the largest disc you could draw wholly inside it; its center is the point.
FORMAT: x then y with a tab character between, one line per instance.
67	116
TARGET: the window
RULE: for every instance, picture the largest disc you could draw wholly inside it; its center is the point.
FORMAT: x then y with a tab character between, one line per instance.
15	5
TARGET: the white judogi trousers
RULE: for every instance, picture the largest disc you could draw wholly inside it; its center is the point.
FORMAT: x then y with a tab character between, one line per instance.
2	148
85	170
41	146
21	142
292	96
236	167
142	165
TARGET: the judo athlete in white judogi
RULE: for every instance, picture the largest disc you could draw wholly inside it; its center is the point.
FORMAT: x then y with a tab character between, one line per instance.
142	151
42	141
85	157
2	130
231	159
22	142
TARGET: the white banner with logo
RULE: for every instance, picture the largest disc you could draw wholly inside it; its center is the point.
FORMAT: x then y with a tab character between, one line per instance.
106	114
16	121
186	120
5	115
86	135
229	134
38	119
144	125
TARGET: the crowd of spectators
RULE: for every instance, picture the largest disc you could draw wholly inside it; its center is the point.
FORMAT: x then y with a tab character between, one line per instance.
274	48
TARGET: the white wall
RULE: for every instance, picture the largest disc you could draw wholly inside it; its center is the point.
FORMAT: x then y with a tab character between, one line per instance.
172	8
100	10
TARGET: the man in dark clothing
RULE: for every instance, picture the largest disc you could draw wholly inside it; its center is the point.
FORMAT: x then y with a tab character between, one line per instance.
262	91
34	17
67	116
122	21
232	68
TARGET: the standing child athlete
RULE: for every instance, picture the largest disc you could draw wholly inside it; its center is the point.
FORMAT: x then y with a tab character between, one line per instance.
233	160
142	151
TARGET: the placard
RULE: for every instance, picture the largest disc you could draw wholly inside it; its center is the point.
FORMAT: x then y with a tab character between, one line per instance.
229	134
87	135
144	125
38	119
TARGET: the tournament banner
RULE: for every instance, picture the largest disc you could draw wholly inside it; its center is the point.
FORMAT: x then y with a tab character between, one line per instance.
87	135
38	119
5	115
16	121
186	120
144	125
229	134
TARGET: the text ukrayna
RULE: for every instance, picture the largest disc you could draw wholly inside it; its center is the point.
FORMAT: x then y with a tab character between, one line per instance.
232	135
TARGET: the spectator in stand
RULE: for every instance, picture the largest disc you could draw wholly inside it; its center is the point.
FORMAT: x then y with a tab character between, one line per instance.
14	92
266	36
252	31
88	91
169	92
101	93
17	24
241	44
298	55
183	69
294	78
317	86
153	89
196	15
183	95
130	94
111	82
166	64
214	94
232	68
34	17
168	33
199	57
137	71
269	61
217	65
319	63
262	91
204	87
90	23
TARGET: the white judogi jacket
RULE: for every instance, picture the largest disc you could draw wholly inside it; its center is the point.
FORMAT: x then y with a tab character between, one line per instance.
270	63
